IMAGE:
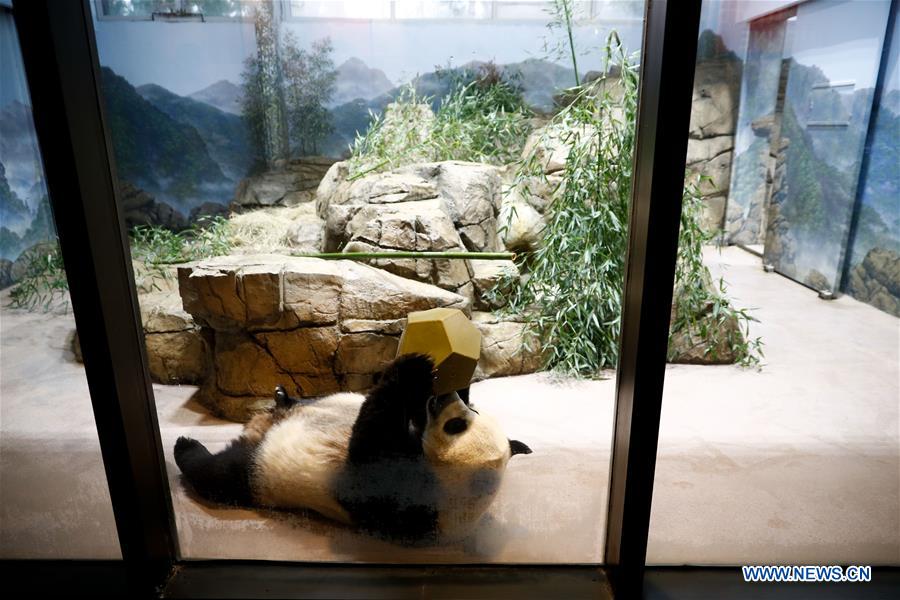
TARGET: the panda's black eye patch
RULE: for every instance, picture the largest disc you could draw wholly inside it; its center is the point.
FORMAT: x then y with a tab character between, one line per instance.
455	425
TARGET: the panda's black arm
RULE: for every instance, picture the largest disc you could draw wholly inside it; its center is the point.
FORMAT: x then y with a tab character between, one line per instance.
382	428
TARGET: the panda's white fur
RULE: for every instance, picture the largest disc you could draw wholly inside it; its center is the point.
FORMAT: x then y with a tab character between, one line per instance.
479	454
397	458
299	457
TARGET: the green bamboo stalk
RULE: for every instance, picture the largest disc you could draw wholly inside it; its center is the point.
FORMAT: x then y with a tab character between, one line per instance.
374	255
423	255
567	7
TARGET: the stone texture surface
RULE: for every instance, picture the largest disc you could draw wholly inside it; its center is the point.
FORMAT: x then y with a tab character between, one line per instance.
313	325
292	182
503	348
425	207
715	99
177	351
688	346
714	112
550	146
522	227
876	280
486	275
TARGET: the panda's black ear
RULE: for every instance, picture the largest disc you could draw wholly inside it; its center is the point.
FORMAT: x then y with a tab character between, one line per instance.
517	447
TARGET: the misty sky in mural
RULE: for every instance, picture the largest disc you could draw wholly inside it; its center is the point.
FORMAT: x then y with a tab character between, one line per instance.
186	57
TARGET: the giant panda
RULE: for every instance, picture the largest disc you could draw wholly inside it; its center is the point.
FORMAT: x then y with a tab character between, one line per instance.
400	460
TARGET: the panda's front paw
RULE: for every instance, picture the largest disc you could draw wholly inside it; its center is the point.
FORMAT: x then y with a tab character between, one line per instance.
414	373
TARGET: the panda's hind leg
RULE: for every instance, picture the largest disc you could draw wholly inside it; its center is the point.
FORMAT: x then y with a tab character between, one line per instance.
259	424
223	477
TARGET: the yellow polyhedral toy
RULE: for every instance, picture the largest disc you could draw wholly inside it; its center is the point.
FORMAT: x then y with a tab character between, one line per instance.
450	339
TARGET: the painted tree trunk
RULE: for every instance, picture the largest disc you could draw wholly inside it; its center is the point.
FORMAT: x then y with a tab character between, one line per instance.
275	140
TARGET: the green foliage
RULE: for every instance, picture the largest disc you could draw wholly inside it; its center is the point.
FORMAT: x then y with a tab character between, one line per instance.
396	137
485	120
562	16
153	249
482	119
700	306
284	76
44	285
572	297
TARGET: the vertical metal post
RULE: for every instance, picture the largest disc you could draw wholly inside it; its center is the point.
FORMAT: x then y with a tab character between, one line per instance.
60	57
668	60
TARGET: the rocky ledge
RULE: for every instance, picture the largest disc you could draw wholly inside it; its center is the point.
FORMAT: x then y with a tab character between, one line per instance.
313	325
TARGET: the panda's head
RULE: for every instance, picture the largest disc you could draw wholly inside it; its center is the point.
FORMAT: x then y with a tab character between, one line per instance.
457	434
468	452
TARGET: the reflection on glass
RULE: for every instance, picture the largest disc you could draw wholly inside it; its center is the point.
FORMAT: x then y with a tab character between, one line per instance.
54	502
753	163
446	127
873	275
354	9
795	460
444	10
833	61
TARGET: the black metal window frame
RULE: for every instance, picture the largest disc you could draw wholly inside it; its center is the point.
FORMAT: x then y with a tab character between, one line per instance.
62	68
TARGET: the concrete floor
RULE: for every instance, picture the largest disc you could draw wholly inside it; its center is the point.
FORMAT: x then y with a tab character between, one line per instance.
796	463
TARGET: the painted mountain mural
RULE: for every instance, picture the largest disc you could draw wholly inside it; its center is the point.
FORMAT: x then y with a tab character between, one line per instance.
13	211
355	80
223	94
177	154
160	155
539	80
21	159
224	134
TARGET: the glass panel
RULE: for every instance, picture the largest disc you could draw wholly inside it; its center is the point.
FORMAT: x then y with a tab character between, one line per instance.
833	49
352	9
522	10
54	501
137	8
618	9
788	452
875	254
753	163
274	138
443	10
149	8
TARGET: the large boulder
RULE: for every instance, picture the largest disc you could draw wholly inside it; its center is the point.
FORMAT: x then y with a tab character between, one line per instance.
487	275
505	349
177	351
470	193
416	226
427	207
708	341
313	325
292	182
549	145
716	98
521	227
